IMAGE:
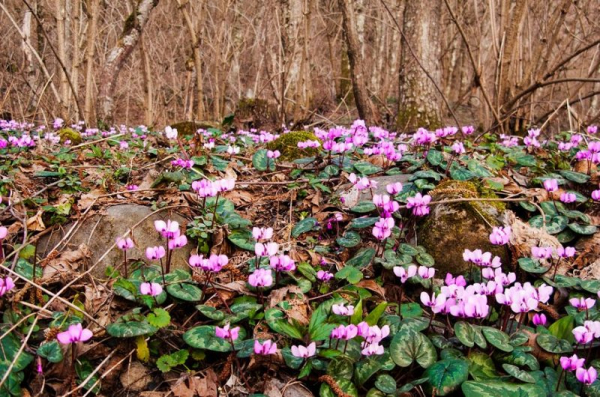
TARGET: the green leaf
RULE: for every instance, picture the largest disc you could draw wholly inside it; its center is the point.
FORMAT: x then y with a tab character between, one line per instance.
435	157
25	269
318	329
345	385
349	273
532	266
592	286
130	329
504	389
219	163
481	366
427	174
260	160
361	223
408	346
497	338
185	291
459	173
366	168
242	238
169	361
160	318
526	160
447	375
386	383
305	225
51	351
341	368
465	333
518	373
425	259
583	229
363	207
362	258
573	176
203	337
349	239
211	312
365	369
478	169
528	206
373	317
563	328
552	344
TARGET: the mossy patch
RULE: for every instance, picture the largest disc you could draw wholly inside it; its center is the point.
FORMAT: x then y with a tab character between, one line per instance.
189	128
69	134
287	144
452	228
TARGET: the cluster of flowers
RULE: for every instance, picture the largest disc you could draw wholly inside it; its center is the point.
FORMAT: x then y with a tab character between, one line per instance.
280	263
372	336
181	163
531	140
207	188
592	153
308	144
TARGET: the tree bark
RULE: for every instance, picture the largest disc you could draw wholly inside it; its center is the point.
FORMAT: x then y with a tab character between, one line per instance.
92	17
132	30
364	106
418	104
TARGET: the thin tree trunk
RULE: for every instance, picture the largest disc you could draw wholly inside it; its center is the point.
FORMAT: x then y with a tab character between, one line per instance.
418	100
148	85
30	74
62	54
92	16
364	106
132	30
75	37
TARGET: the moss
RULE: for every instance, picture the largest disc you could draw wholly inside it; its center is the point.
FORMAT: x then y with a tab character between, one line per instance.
287	144
189	128
69	134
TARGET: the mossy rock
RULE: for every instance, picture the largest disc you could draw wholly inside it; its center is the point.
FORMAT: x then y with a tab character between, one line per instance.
69	134
189	128
256	113
449	229
287	144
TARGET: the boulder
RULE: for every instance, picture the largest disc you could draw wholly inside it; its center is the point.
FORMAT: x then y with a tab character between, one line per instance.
100	231
451	228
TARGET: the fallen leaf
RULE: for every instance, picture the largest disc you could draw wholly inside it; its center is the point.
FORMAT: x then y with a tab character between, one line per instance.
372	286
35	223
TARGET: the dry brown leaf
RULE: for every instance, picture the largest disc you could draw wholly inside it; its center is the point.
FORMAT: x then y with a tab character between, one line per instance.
372	286
66	263
89	199
239	197
35	223
181	389
295	298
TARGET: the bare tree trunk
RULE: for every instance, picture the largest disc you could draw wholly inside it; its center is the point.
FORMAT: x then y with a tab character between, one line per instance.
148	85
513	29
30	74
195	43
75	37
293	39
92	16
62	54
418	101
364	106
132	30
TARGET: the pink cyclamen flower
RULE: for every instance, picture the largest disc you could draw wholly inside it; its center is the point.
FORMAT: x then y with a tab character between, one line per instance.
177	242
500	235
6	284
426	272
582	303
383	228
261	233
394	188
168	229
268	249
405	274
132	187
75	333
568	197
152	289
170	133
596	195
592	129
273	154
459	281
419	204
571	363
370	349
342	310
344	332
324	275
155	253
583	335
539	319
227	333
282	263
373	334
261	278
541	252
566	252
586	376
304	351
436	303
551	185
458	148
268	347
3	232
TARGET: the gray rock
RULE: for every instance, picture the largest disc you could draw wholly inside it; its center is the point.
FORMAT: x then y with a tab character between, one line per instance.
352	196
100	231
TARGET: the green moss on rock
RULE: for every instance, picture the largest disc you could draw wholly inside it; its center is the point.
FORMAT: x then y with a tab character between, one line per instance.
287	144
451	228
69	134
